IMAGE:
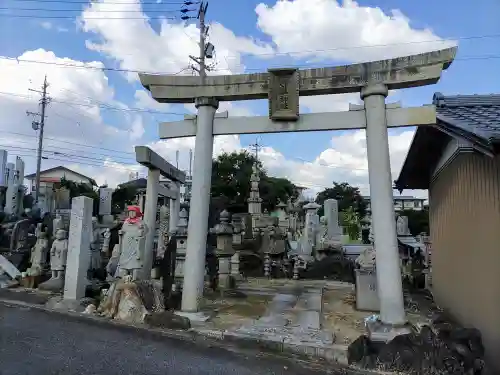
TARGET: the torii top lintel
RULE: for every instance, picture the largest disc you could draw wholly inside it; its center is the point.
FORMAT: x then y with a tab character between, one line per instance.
150	159
402	72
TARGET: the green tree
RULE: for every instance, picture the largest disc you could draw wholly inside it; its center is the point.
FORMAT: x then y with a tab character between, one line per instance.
231	174
346	195
122	197
349	219
418	220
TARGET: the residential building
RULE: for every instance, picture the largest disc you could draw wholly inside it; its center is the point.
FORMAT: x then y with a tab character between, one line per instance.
401	203
50	179
458	161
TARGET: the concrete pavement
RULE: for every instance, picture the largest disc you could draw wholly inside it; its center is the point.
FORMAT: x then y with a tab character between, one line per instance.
36	342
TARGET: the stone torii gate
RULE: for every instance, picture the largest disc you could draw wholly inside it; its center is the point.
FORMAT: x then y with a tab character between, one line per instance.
283	87
157	165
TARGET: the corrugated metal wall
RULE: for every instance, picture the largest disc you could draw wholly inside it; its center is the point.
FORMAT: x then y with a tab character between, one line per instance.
465	231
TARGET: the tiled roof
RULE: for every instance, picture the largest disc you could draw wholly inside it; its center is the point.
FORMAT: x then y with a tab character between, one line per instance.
475	118
475	114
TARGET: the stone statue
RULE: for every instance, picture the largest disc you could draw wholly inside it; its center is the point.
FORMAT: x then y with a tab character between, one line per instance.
366	259
132	244
107	240
95	254
58	254
39	253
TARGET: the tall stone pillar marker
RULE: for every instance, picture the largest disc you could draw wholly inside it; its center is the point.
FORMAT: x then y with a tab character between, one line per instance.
78	258
150	219
175	208
192	290
389	281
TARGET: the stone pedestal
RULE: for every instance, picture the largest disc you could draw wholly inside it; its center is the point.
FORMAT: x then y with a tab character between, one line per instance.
366	290
108	220
78	259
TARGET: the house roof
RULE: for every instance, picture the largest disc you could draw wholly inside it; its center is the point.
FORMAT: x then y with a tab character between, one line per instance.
33	175
398	197
475	118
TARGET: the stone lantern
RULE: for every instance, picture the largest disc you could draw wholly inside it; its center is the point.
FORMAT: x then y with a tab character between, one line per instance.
224	251
312	222
237	222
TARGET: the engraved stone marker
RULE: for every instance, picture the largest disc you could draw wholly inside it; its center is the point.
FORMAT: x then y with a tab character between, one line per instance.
105	195
284	94
78	260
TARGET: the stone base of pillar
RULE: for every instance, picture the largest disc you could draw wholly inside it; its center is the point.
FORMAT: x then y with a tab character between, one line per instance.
108	220
384	333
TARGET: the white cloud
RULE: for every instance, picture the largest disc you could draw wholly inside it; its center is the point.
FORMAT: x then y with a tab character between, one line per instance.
74	118
299	25
46	25
345	160
325	28
342	31
136	45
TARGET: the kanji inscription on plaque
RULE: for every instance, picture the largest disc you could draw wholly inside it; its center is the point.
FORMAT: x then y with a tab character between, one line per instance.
284	94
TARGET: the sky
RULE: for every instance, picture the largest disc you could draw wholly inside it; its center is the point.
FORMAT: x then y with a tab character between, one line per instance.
91	53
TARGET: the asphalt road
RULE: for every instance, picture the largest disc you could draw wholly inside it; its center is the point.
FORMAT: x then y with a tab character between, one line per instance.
39	343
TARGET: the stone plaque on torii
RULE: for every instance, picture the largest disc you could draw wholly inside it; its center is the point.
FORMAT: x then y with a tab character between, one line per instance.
283	87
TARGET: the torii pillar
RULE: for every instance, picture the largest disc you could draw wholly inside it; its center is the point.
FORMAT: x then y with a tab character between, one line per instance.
282	87
156	165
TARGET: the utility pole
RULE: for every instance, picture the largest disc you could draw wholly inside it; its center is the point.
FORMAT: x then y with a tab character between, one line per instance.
206	49
39	125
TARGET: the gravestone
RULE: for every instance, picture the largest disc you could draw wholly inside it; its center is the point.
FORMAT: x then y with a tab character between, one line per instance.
62	199
402	226
78	259
105	195
105	200
332	219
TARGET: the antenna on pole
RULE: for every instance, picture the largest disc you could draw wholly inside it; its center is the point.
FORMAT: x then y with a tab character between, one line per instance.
256	147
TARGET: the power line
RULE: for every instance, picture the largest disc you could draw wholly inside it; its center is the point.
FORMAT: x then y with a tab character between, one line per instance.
90	10
360	46
126	158
75	66
64	154
71	143
113	2
86	66
86	18
100	105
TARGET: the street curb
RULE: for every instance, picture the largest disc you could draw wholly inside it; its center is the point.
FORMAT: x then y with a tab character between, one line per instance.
300	353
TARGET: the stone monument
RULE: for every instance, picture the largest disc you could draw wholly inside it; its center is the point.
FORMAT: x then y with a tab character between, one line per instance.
164	228
95	251
105	205
80	234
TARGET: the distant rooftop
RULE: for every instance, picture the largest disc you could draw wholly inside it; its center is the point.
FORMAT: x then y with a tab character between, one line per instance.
398	197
